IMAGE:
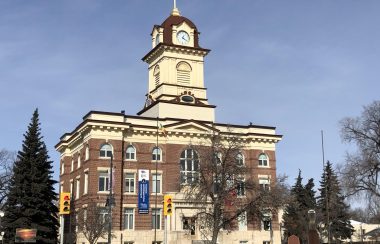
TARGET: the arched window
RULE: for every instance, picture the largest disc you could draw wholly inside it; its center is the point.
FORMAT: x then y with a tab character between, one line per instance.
72	164
240	159
87	153
189	162
105	151
156	74
183	73
156	154
130	153
62	168
263	160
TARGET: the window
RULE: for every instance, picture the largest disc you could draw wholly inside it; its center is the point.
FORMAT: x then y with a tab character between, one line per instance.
103	181
156	218
129	242
106	151
104	215
156	74
72	164
243	242
264	184
156	183
130	153
266	242
128	218
183	73
240	187
189	224
156	154
129	183
85	190
263	160
267	221
242	219
62	168
79	162
189	166
240	159
77	189
87	153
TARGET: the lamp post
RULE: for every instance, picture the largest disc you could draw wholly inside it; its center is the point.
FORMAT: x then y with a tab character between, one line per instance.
110	202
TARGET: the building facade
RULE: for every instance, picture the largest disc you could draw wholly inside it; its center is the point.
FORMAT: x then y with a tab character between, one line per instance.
175	115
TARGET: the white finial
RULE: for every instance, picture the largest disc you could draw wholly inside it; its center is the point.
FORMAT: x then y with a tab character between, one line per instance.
175	10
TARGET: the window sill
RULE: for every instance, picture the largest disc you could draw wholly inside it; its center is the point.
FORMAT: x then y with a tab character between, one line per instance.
158	194
262	166
130	193
130	160
158	161
103	192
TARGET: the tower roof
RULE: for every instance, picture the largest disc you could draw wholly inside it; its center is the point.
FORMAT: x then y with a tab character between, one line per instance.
167	25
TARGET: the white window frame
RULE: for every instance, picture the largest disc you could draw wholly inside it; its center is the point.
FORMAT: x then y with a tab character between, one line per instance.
187	175
261	161
85	189
106	176
134	182
72	165
127	224
240	159
264	183
62	168
240	180
130	155
154	218
154	182
107	150
87	153
77	188
79	162
154	154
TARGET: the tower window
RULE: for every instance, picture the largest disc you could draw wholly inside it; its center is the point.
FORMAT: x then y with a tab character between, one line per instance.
156	74
183	73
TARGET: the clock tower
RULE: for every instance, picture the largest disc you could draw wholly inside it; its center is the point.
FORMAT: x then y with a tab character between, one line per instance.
176	66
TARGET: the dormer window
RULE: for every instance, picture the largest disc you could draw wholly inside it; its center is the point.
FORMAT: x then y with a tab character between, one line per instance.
183	73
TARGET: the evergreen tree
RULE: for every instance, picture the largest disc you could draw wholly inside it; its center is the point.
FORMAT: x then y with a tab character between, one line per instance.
296	212
31	198
334	212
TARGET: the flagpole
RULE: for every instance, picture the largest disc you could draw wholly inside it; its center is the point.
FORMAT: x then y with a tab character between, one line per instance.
155	203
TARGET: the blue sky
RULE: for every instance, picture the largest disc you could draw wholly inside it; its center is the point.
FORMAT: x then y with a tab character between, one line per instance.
298	65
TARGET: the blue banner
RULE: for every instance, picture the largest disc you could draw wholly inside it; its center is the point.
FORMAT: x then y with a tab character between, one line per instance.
143	199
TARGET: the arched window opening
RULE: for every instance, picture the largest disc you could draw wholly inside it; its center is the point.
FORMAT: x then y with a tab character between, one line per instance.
156	154
106	151
130	153
183	73
87	153
263	160
240	159
156	74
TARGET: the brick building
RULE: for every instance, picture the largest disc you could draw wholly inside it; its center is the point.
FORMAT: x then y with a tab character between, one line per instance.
176	100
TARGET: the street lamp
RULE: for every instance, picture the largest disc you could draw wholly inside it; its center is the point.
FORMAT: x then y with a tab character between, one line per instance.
311	214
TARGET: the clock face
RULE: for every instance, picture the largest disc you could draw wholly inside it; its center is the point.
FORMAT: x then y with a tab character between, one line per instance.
183	37
157	39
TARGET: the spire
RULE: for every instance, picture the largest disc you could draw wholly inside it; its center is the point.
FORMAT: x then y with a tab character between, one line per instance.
175	11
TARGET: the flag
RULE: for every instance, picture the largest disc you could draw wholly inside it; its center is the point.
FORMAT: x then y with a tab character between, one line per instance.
162	129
